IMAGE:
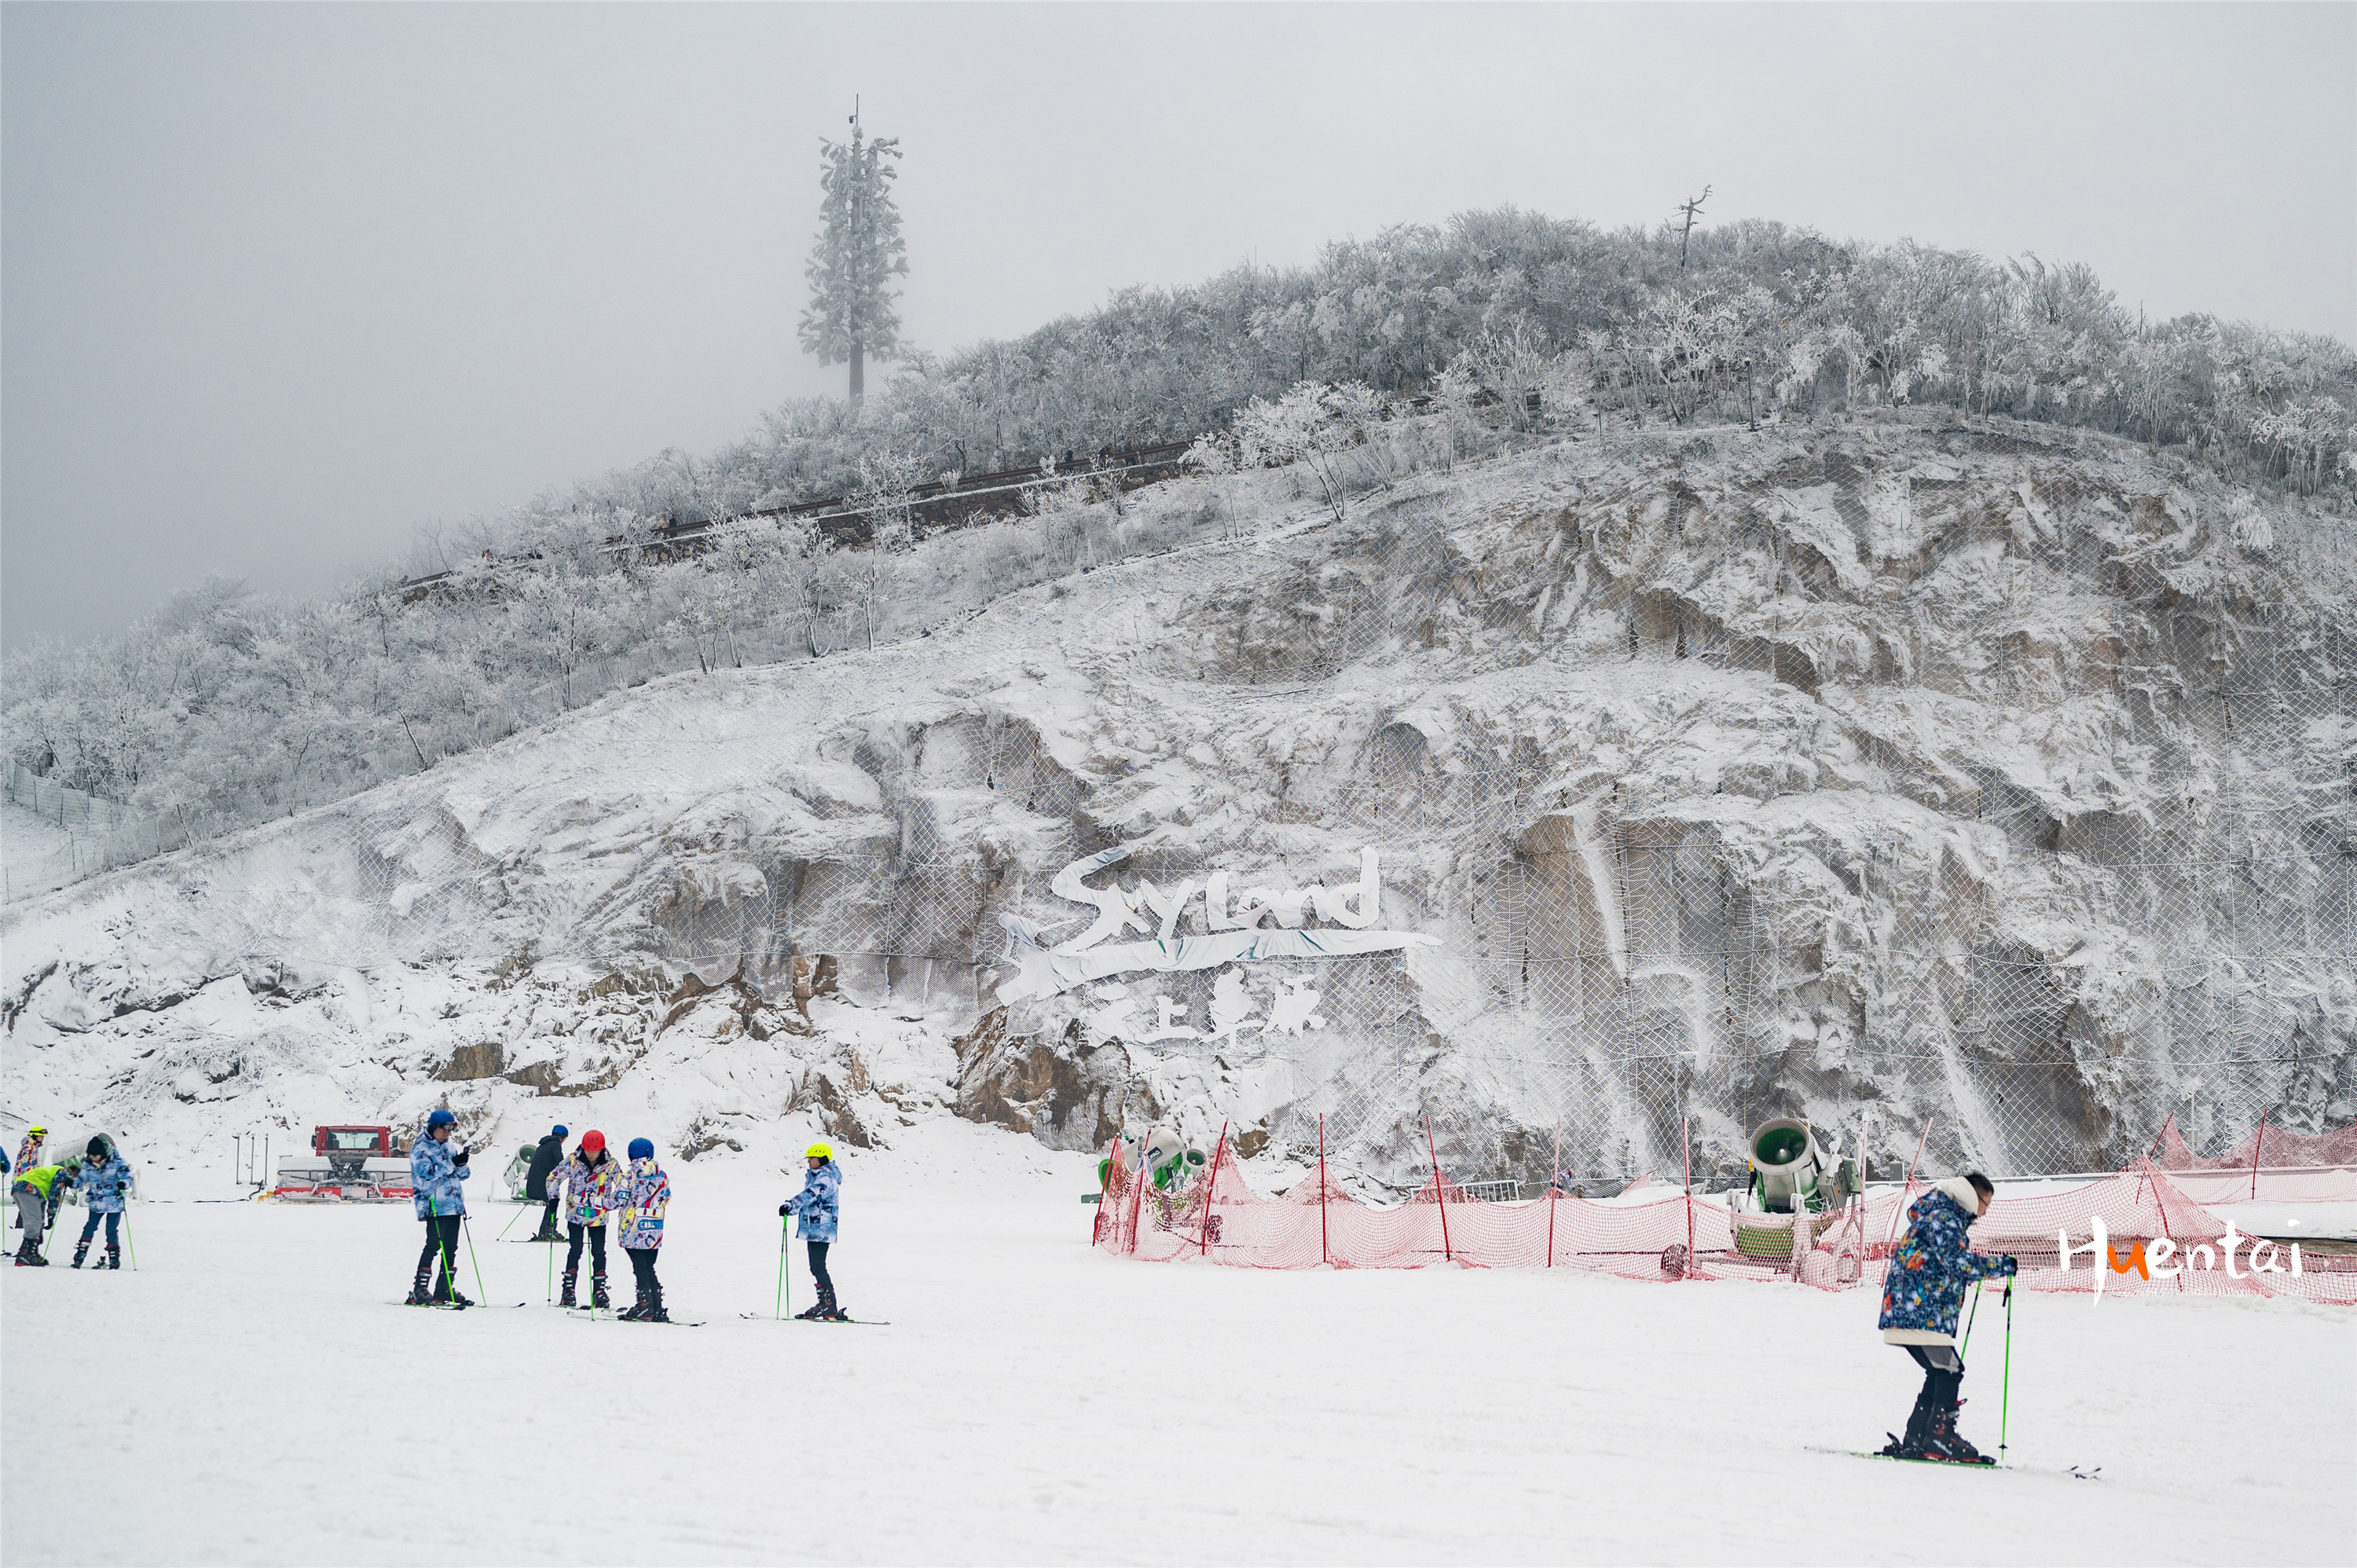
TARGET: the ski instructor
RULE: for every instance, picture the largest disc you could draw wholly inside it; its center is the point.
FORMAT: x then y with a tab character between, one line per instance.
1922	1296
436	1175
545	1157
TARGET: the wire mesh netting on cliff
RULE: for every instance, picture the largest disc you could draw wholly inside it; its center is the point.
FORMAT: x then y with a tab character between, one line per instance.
1899	779
1659	1231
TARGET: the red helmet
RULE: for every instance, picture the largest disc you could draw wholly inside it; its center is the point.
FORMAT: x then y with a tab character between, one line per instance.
592	1141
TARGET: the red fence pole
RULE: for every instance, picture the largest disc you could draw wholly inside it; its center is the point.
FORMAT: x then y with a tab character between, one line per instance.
1685	1145
1553	1166
1438	1196
1137	1197
1096	1232
2257	1144
1325	1249
1212	1189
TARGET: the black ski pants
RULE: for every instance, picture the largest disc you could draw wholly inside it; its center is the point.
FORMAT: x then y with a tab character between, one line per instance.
596	1234
819	1275
548	1219
441	1241
642	1267
1943	1372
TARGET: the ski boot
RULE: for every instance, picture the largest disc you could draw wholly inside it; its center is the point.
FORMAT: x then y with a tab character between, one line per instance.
636	1309
598	1299
812	1313
421	1294
81	1251
113	1257
1918	1427
29	1256
1945	1443
655	1313
564	1297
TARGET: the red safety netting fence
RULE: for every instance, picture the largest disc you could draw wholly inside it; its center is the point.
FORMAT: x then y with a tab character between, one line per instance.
1664	1233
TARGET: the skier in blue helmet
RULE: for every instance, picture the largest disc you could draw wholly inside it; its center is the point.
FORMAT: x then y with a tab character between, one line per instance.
545	1157
435	1177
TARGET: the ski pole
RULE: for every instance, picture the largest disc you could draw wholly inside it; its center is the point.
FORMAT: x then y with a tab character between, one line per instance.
128	1244
783	1231
504	1228
480	1293
2005	1404
449	1265
1975	1312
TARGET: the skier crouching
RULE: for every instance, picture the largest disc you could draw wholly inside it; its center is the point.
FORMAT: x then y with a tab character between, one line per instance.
36	1192
817	1204
105	1177
594	1184
436	1175
650	1195
1922	1296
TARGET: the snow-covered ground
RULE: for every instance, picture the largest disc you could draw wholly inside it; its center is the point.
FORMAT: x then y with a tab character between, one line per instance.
251	1394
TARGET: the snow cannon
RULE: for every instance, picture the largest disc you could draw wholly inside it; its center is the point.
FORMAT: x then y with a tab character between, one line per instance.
1786	1166
1170	1160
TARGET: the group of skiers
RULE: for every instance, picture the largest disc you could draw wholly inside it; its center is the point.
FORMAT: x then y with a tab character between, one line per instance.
588	1185
100	1174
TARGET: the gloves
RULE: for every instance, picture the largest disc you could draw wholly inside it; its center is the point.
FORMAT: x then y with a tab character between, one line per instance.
784	1209
460	1157
2010	1266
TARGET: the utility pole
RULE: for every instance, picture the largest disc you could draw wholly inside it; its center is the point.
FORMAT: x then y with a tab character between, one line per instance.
1689	207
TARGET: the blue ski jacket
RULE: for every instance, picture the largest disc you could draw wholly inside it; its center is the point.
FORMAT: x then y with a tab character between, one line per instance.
433	1178
102	1185
818	1202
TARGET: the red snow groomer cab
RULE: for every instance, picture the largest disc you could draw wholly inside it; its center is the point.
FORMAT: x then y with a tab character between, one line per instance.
346	1165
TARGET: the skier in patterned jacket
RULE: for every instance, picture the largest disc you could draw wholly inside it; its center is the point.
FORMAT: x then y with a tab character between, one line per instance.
436	1175
650	1195
594	1184
105	1177
1922	1296
29	1157
817	1204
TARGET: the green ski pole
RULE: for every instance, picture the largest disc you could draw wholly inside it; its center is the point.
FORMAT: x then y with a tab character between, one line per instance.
504	1228
783	1231
1968	1321
449	1264
129	1245
2004	1405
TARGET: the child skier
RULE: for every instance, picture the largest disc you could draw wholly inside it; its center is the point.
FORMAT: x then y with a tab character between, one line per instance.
1922	1295
105	1177
36	1191
29	1157
597	1184
435	1177
650	1195
817	1205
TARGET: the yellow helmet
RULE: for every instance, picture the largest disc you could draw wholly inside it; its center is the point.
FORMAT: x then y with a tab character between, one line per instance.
819	1152
36	1131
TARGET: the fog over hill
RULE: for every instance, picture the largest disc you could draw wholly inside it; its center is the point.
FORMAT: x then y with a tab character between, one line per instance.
1900	769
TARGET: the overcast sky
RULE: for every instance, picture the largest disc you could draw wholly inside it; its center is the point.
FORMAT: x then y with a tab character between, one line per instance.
279	284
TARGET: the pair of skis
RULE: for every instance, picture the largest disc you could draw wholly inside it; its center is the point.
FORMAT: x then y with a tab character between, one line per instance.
2073	1471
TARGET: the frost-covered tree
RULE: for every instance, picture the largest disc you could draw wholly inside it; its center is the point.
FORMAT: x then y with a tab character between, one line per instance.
858	253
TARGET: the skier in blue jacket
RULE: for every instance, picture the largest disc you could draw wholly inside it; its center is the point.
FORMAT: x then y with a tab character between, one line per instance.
105	1177
435	1179
817	1205
1922	1294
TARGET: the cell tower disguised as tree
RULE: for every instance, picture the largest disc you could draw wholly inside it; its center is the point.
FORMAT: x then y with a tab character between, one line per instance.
859	251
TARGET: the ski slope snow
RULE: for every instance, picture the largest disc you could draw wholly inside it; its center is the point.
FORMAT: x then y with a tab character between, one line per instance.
251	1394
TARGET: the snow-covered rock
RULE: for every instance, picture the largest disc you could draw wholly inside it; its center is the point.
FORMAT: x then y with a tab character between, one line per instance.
1871	773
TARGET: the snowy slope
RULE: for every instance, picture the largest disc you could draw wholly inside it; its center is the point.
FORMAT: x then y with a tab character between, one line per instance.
1981	775
251	1396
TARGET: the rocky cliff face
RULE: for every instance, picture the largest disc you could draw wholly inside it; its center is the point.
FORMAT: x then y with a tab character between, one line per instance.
1894	775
